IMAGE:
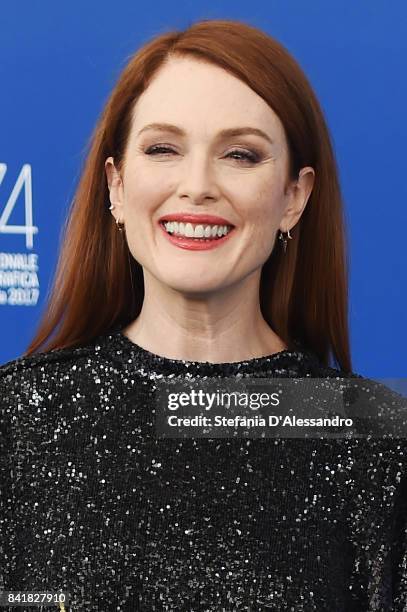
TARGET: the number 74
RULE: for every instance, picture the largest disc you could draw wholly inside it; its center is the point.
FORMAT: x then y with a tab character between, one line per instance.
23	182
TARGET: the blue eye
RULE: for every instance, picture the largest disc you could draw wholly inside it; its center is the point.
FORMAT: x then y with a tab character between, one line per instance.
245	156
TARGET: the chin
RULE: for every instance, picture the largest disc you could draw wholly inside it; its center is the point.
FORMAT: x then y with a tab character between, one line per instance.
196	288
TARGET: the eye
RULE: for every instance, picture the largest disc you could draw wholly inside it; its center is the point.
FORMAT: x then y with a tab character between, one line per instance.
245	156
157	149
248	156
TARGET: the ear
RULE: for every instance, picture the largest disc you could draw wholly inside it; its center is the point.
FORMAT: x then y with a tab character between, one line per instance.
115	184
298	198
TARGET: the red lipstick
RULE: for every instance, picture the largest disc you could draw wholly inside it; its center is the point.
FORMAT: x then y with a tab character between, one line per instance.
195	218
196	244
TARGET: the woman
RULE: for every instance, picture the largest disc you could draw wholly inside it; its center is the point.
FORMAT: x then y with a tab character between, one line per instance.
206	239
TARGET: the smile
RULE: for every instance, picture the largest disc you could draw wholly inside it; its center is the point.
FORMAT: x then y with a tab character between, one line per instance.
194	236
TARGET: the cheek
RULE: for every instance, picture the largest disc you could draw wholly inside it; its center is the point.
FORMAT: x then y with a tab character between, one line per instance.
142	203
141	194
263	220
265	209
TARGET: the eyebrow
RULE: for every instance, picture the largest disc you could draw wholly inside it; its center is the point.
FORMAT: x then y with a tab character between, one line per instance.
229	132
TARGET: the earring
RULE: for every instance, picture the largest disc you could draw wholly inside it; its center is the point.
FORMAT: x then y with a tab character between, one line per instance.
284	240
120	226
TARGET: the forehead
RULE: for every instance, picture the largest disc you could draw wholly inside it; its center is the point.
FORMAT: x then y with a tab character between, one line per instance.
204	98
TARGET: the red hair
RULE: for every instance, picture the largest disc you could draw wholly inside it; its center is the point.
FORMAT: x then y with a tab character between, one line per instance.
98	285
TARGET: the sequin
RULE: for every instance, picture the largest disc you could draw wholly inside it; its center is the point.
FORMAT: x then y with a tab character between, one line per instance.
94	504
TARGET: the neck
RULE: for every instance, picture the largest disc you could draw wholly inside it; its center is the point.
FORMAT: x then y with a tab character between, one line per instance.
225	326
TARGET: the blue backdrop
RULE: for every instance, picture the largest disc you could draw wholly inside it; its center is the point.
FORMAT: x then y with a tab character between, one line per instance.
59	61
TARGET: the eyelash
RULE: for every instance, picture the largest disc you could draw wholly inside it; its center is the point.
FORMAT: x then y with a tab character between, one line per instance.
249	156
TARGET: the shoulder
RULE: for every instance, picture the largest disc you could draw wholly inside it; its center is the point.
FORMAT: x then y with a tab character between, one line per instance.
29	365
370	401
376	440
312	366
22	377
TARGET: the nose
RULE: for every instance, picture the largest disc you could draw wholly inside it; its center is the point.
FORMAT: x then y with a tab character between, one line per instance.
197	180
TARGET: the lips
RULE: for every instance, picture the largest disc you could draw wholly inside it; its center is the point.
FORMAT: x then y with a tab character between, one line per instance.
193	218
195	244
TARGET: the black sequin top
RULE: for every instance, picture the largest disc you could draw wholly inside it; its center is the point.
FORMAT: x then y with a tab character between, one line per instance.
93	504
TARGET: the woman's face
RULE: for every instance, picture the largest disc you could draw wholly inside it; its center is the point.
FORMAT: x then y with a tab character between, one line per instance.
194	168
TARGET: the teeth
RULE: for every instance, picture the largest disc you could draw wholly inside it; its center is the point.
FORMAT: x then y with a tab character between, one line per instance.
189	231
196	231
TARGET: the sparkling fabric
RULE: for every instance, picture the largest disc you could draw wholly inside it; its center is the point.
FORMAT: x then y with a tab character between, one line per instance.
94	504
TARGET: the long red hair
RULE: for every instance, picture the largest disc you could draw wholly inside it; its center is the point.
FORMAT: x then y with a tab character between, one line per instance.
98	285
